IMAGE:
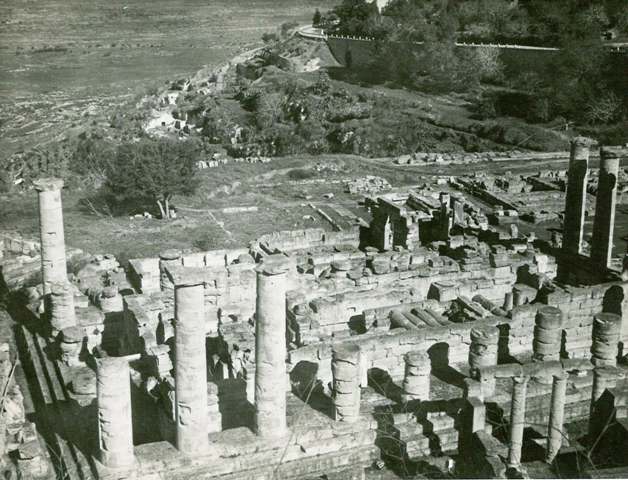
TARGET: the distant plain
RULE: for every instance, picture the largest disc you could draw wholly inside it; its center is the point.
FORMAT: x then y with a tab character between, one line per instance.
65	62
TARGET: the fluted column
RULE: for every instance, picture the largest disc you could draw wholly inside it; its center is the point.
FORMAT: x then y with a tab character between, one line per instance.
115	422
270	346
575	199
53	261
606	199
190	365
557	415
517	420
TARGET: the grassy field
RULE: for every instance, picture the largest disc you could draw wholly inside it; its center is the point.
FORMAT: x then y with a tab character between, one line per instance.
202	223
64	62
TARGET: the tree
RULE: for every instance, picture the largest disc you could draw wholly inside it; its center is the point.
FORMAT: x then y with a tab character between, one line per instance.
154	170
316	19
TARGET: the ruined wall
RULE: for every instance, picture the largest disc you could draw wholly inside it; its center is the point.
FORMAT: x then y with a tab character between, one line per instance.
289	240
447	345
578	305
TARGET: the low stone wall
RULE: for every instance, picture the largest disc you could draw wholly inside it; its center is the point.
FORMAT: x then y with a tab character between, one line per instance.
289	240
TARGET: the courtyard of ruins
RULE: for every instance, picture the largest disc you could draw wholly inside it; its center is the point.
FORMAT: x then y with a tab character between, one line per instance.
468	326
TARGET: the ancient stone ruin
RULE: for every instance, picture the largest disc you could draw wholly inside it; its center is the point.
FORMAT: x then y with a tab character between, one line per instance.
433	341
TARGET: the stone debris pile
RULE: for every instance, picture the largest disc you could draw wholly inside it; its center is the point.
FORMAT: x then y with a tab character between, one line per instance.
367	185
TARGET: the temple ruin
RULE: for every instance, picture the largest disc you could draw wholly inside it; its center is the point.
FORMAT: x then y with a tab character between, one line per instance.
446	337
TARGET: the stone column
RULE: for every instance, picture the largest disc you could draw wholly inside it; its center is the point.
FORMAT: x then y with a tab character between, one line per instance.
110	300
167	259
270	346
606	199
606	333
517	299
517	420
547	334
445	216
416	380
575	199
624	268
557	415
483	349
115	422
62	313
53	261
508	302
345	367
603	377
190	366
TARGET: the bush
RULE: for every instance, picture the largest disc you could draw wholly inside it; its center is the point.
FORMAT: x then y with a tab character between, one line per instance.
300	174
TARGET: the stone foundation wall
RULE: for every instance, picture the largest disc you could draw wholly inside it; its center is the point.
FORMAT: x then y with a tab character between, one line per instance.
578	305
385	350
286	241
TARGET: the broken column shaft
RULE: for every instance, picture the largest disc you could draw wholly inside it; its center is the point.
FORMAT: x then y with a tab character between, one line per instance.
483	349
62	313
115	422
416	380
167	259
606	333
606	199
270	346
557	415
190	365
53	261
517	420
547	334
575	199
345	367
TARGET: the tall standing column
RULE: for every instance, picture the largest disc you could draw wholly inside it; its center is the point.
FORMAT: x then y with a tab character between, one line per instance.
575	199
517	420
53	262
190	365
270	346
604	221
445	215
557	415
115	422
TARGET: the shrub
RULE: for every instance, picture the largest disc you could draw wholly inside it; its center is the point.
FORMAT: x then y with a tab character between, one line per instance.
300	174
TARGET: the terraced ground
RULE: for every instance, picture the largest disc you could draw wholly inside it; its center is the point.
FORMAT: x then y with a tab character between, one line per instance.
62	62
